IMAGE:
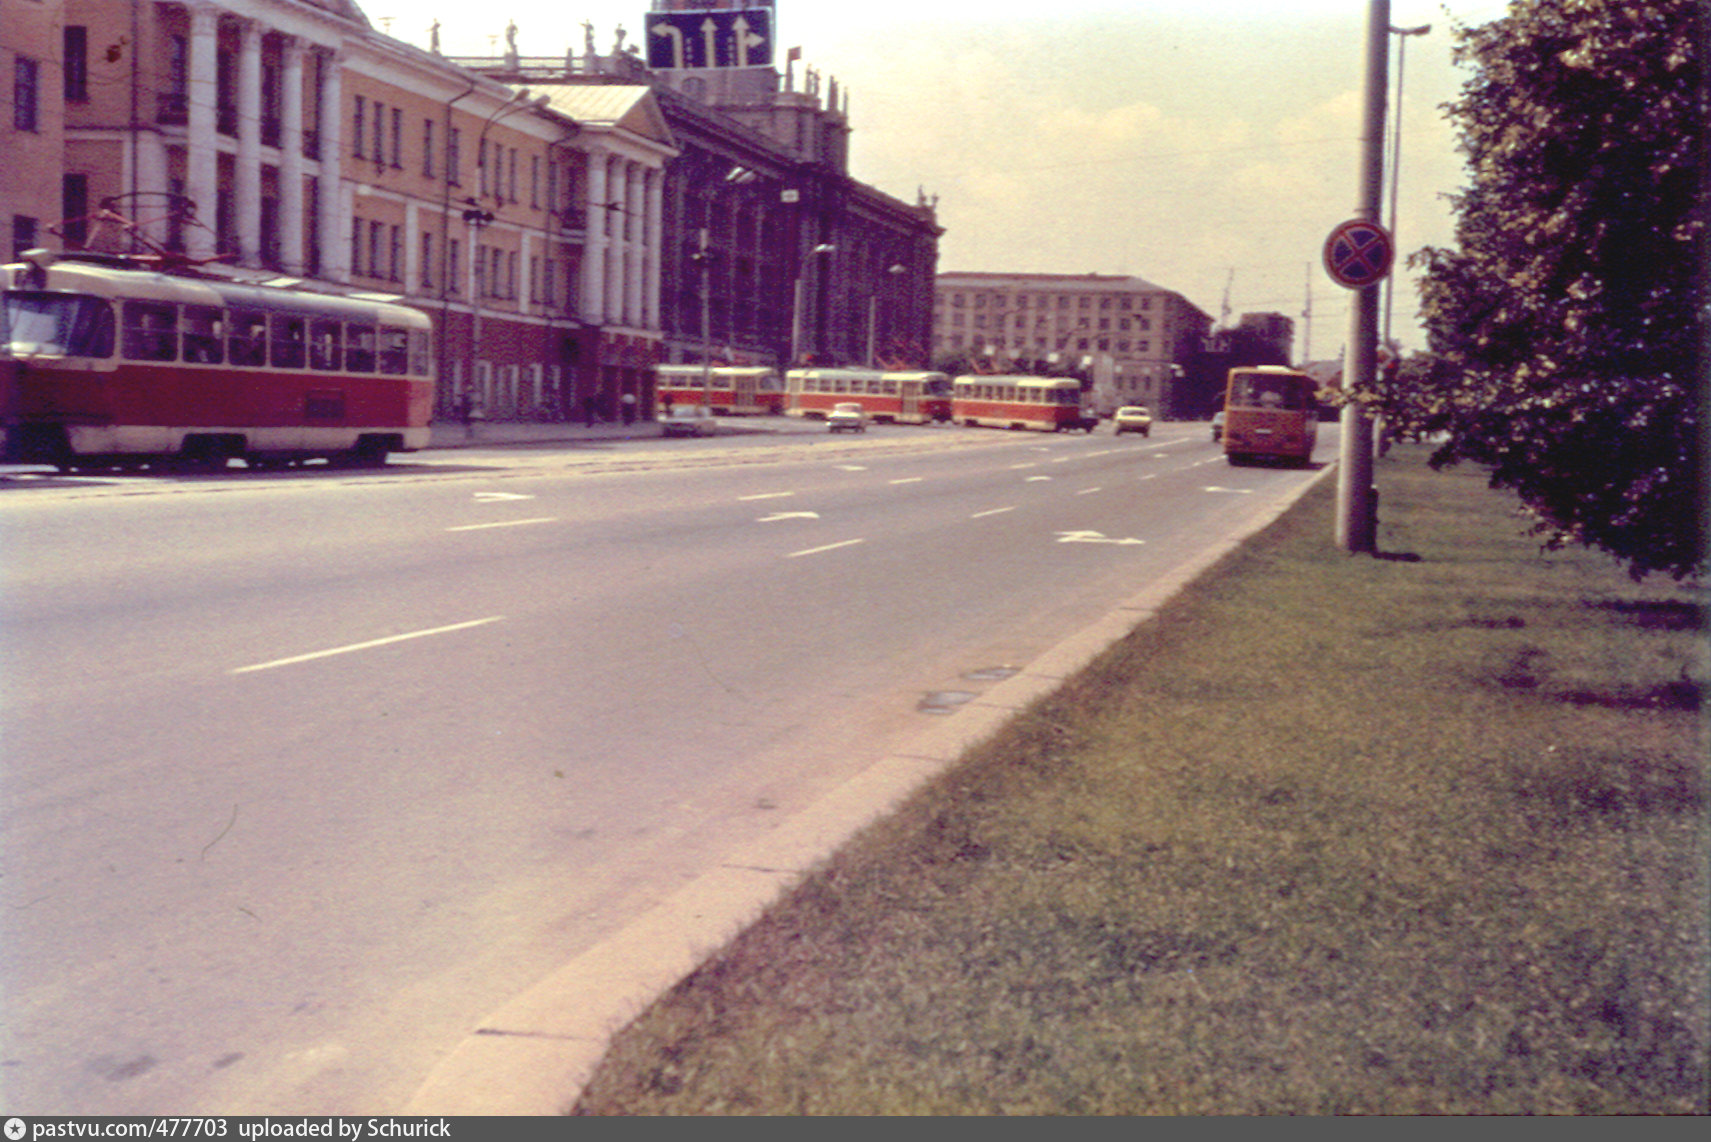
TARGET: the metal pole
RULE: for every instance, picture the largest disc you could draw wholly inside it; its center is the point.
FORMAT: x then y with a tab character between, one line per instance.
1357	524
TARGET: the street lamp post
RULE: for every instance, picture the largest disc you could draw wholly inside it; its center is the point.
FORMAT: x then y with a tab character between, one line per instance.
873	318
1402	35
796	302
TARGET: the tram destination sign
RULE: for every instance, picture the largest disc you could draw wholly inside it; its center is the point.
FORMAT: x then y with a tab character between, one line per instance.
1358	254
721	37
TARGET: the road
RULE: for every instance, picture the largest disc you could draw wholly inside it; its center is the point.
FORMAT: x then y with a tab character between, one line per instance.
305	773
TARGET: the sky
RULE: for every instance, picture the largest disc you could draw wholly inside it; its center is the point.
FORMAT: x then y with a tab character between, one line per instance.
1207	146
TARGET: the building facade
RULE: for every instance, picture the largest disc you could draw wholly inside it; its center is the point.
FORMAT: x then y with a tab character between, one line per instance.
1134	339
774	253
568	221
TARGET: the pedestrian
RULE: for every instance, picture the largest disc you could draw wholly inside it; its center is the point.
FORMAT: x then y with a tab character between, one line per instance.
628	400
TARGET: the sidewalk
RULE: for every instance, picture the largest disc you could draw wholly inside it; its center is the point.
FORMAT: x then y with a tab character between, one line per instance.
500	433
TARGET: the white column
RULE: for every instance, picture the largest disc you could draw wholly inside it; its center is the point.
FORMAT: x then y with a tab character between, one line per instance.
334	211
619	251
594	245
246	185
291	204
655	248
635	261
149	156
202	168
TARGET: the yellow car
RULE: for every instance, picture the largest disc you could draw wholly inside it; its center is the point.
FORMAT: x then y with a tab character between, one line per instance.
1132	418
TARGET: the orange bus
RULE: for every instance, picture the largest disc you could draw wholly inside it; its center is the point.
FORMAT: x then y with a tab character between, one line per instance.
1270	414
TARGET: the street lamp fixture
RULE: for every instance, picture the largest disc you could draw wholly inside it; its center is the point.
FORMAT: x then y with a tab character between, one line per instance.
796	303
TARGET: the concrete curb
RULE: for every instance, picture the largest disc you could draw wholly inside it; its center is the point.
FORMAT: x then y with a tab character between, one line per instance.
534	1055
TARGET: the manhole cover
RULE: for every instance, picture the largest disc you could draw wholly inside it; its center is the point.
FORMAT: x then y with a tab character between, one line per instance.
993	673
945	701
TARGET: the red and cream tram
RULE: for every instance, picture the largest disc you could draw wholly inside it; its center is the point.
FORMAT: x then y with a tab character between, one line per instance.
1044	404
731	390
899	397
103	364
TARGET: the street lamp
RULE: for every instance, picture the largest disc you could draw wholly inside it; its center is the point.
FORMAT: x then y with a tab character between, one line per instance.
796	302
1402	35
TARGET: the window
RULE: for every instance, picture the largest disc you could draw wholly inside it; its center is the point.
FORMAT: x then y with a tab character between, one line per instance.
451	266
359	348
151	330
358	135
202	328
374	262
428	148
356	246
26	75
481	166
324	351
289	333
74	208
394	351
454	139
246	338
398	138
396	263
535	181
427	261
75	40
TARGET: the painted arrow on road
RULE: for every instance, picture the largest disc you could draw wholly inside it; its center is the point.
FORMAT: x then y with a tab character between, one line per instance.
1095	537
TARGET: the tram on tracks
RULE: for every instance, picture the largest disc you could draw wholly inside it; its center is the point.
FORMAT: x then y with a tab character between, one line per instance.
108	363
895	397
1041	404
729	390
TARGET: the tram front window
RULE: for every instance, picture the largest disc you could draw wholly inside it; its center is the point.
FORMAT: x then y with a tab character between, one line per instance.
55	325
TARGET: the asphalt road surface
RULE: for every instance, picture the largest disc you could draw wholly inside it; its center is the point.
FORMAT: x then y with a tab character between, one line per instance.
305	772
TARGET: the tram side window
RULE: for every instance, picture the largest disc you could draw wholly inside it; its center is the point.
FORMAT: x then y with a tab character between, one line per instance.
151	330
202	325
324	345
421	353
359	348
394	351
246	338
289	333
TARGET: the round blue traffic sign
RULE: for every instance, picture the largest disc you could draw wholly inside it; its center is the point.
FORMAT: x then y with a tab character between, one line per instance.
1358	254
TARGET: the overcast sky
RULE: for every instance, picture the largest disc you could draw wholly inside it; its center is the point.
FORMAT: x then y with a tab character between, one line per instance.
1207	146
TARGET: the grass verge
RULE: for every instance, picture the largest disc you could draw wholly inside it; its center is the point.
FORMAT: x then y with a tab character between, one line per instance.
1417	834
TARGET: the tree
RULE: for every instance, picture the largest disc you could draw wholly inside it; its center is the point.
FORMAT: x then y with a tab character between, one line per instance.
1568	326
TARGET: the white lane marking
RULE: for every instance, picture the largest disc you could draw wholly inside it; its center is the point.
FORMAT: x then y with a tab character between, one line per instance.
1231	491
497	497
1150	476
909	480
765	496
1095	537
851	467
1089	491
1038	479
776	516
991	511
827	547
504	523
1021	467
369	645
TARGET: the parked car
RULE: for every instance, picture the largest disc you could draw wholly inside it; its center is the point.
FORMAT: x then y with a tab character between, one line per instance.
1217	426
688	420
846	416
1132	418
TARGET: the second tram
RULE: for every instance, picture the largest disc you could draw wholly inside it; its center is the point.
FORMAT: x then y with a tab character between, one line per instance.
897	397
1043	404
729	390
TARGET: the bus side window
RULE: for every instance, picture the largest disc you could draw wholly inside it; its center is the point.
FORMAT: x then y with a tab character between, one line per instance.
289	334
359	348
202	324
151	331
394	351
246	338
324	345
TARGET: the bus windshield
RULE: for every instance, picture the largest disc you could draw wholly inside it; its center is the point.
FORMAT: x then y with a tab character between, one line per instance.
55	324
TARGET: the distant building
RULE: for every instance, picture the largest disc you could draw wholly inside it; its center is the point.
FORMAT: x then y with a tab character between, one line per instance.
1133	339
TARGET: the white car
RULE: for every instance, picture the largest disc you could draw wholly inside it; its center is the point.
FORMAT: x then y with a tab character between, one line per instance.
688	420
1132	418
846	416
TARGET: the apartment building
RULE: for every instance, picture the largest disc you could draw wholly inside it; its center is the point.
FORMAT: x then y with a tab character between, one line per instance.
1135	339
33	91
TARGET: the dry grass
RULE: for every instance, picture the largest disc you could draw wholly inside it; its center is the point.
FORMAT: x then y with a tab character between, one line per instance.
1423	834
